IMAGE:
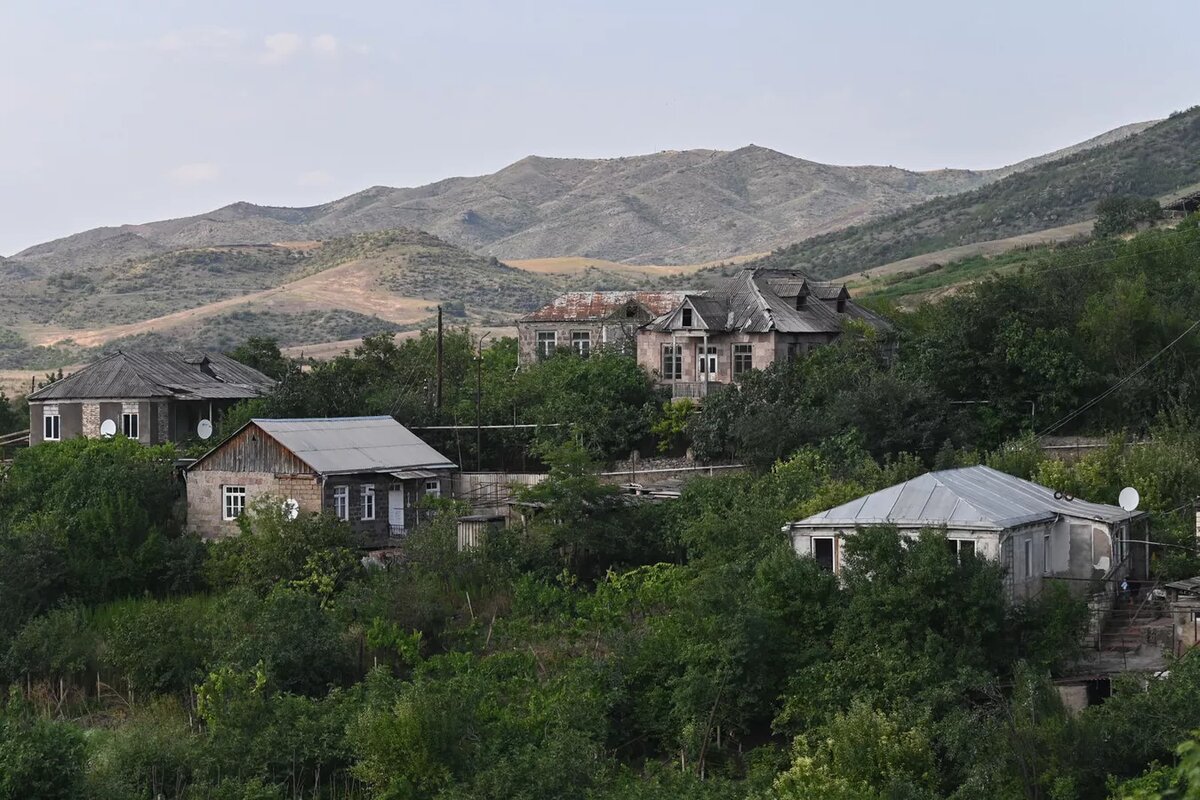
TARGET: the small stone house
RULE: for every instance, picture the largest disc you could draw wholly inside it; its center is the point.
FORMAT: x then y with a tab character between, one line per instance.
757	317
154	397
369	471
1036	533
586	321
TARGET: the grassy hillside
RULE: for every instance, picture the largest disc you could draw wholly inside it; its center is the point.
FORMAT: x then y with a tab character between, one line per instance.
299	293
1160	159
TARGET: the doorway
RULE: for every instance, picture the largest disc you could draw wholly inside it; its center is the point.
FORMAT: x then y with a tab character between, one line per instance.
396	512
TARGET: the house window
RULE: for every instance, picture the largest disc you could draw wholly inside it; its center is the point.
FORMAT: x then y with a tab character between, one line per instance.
686	317
341	502
1046	554
51	424
743	358
1028	545
706	362
233	501
129	424
961	548
368	503
433	488
547	343
822	550
672	362
581	343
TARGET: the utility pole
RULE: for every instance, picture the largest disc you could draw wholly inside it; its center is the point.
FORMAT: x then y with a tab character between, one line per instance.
439	359
478	396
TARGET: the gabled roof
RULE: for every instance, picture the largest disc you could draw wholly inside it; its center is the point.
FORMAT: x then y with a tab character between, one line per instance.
154	374
762	300
978	498
592	306
348	445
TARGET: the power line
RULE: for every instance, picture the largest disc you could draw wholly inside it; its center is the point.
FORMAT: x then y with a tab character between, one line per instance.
1118	384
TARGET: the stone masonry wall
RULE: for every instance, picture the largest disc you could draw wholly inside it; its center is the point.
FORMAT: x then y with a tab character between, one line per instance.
205	496
91	420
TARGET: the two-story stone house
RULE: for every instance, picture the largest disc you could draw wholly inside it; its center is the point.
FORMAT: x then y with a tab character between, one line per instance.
585	321
757	317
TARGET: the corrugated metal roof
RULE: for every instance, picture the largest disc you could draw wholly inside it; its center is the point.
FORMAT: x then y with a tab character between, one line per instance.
762	300
585	306
354	444
153	374
971	497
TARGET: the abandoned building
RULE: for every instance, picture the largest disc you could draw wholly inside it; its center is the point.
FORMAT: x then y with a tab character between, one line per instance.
1037	534
153	397
585	321
371	472
757	317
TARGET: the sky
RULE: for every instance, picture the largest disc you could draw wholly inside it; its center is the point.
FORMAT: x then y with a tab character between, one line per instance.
123	112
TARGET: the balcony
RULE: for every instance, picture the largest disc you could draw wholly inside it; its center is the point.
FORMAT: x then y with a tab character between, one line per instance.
694	390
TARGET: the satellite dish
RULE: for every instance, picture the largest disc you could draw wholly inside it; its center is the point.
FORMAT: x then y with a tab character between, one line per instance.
291	508
108	429
1129	498
204	429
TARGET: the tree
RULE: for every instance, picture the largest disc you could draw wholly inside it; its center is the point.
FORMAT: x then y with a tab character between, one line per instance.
262	353
1122	213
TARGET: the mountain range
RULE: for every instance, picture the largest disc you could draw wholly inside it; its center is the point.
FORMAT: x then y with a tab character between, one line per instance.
675	207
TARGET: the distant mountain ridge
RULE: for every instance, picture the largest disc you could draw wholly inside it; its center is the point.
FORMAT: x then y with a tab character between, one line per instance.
673	207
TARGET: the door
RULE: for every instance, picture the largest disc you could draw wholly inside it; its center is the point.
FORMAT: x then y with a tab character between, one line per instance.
396	511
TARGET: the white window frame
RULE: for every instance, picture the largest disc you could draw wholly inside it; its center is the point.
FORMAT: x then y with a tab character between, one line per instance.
1027	546
51	424
1046	563
708	360
687	316
957	546
368	503
433	487
581	343
545	338
341	503
131	424
833	552
233	502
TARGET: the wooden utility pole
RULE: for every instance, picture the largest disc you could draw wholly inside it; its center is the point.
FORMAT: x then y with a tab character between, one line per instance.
439	359
478	397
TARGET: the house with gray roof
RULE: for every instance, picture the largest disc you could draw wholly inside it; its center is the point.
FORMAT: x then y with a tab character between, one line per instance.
150	396
587	321
371	472
1035	532
757	317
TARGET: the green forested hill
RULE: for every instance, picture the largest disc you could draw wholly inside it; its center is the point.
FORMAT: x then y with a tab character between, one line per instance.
1154	162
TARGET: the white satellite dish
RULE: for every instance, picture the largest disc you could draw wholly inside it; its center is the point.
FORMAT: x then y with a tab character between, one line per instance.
1129	498
108	429
204	429
291	508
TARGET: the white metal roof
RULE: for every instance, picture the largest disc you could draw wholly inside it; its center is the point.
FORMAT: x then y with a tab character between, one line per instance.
977	497
354	444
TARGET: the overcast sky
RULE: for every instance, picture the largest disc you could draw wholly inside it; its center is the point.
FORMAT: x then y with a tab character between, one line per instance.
122	111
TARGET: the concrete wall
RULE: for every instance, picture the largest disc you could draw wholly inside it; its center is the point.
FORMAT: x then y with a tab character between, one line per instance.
205	498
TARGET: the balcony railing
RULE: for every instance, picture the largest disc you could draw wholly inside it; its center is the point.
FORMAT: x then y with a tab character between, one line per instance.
694	390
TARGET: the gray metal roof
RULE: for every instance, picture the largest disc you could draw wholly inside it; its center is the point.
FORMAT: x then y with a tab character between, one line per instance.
154	374
354	444
977	497
762	300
